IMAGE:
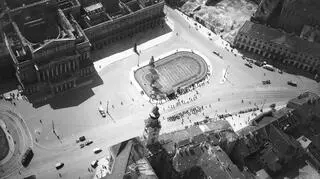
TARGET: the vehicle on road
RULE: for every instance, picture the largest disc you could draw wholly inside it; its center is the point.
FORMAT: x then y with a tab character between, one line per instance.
280	71
250	60
102	111
27	157
266	82
268	67
94	164
292	83
59	165
216	53
82	138
89	142
97	150
258	63
82	145
248	65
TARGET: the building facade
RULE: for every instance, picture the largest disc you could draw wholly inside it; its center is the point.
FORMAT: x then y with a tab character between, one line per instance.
50	41
50	51
104	25
279	46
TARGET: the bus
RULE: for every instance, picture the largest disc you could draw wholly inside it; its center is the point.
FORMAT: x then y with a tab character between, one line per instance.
27	157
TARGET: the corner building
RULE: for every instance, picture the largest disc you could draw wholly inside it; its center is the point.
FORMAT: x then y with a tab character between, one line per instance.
279	46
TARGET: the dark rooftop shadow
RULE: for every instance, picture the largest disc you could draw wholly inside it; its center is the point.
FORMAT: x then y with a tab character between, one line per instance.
213	2
129	42
8	85
73	97
284	67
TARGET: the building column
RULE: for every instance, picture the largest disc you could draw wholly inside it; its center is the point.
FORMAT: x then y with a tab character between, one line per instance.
65	67
47	73
38	75
56	69
69	66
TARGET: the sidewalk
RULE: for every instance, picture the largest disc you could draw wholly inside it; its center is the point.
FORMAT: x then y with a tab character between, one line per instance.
100	64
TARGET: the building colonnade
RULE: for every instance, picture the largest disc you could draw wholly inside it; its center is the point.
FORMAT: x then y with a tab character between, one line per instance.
127	32
56	70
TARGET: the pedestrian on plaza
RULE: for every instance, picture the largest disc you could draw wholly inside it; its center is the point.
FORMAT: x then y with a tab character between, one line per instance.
60	175
40	121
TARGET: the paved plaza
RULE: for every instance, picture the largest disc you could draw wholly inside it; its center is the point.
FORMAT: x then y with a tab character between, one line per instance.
75	113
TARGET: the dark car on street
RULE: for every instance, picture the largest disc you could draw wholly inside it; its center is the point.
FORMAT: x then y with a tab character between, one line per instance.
89	142
82	138
248	65
291	83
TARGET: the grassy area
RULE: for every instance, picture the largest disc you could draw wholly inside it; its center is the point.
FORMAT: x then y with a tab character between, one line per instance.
225	16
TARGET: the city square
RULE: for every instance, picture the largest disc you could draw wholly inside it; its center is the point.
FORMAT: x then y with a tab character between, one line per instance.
183	53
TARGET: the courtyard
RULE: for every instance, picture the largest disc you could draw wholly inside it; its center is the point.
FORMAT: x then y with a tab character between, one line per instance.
166	75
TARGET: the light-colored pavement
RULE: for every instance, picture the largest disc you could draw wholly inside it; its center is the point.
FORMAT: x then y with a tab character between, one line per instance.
128	108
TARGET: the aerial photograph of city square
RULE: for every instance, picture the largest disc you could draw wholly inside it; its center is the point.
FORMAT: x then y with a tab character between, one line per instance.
160	89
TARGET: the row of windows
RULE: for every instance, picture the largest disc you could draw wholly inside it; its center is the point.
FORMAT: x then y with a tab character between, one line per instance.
274	48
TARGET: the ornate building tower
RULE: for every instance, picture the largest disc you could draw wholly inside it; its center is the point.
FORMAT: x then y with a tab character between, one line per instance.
152	127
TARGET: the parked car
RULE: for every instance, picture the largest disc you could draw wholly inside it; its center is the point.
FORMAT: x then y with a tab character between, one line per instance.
102	111
94	164
216	53
89	142
59	165
248	65
258	63
280	71
250	60
291	83
268	67
97	150
266	82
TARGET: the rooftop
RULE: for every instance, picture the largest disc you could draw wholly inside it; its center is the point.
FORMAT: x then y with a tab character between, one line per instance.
129	161
213	161
291	42
303	98
263	120
12	4
197	134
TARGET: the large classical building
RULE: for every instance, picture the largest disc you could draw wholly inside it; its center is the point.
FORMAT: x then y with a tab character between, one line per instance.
50	41
277	45
50	51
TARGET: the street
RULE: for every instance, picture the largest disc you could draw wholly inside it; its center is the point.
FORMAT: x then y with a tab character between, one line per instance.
128	109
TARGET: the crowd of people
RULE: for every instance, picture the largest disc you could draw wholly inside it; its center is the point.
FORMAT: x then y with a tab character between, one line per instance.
188	112
181	91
